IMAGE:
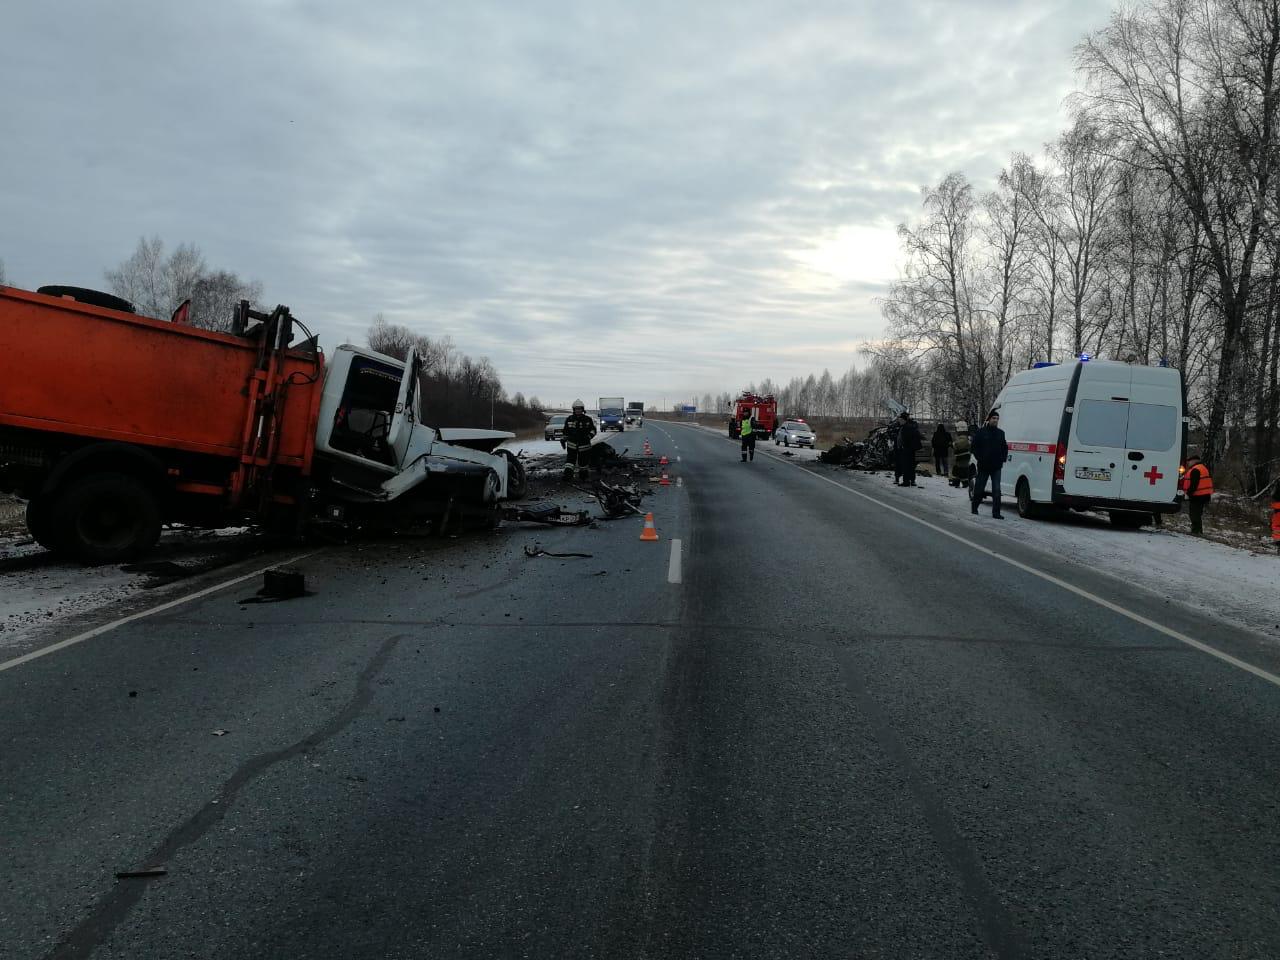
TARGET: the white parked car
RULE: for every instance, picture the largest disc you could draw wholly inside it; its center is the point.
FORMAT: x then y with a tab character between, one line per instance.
794	433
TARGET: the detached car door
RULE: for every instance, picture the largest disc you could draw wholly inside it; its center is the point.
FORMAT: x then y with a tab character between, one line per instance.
404	418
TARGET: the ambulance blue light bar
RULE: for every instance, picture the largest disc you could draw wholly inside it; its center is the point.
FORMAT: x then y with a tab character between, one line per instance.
1085	358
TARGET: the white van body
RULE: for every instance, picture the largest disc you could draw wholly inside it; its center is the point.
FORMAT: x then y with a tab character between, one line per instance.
1094	434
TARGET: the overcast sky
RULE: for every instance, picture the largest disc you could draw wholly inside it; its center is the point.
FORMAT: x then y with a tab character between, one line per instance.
649	199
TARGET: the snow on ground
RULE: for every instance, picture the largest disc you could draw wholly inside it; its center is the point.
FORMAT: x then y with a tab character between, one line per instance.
1234	583
534	448
1227	582
39	591
46	593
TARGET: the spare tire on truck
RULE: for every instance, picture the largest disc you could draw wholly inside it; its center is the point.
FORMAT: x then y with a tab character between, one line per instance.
94	298
105	518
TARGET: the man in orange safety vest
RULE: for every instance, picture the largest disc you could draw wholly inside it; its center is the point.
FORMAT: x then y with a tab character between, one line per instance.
1198	486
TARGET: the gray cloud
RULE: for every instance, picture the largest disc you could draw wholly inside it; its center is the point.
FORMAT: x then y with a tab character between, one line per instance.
649	199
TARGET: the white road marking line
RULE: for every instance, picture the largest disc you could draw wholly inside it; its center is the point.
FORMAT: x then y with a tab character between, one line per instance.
141	614
1057	581
673	568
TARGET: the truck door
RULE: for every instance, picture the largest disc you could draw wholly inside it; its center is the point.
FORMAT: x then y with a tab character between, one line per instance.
1096	462
1153	440
404	418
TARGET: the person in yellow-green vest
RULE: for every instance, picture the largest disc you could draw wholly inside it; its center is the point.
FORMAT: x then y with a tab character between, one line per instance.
747	431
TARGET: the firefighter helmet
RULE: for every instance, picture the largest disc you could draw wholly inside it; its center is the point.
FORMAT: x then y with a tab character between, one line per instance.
579	405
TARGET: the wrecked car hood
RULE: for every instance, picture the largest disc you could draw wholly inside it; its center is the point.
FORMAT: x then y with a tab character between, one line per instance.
486	440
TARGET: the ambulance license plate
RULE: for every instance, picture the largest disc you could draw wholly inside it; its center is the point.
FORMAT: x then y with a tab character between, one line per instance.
1092	473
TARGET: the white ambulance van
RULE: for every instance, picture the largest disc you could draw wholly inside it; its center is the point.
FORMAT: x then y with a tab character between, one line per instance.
1095	434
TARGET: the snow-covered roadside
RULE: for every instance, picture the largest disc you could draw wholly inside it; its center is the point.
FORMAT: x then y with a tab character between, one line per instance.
528	449
1233	584
39	592
34	599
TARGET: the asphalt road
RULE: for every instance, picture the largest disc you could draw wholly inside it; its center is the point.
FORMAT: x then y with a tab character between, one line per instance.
841	733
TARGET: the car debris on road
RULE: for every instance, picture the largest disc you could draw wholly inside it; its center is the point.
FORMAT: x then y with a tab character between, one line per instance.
537	551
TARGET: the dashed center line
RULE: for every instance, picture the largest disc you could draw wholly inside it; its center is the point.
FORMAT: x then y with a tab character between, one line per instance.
673	568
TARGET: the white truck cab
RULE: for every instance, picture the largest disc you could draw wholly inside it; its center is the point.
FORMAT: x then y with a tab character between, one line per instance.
372	435
1097	434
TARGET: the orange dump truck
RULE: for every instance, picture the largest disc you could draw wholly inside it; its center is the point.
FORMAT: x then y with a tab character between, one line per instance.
112	424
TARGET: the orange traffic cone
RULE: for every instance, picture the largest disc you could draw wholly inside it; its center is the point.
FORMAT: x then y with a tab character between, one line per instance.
650	532
648	450
665	481
664	461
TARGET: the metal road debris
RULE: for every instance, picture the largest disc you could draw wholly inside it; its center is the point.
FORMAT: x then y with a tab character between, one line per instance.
550	515
280	584
617	500
537	551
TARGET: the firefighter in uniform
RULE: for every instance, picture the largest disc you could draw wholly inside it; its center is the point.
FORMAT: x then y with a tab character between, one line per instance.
1198	486
578	431
747	431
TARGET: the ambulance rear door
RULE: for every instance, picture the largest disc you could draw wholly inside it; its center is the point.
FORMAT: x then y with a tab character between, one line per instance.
1097	444
1154	436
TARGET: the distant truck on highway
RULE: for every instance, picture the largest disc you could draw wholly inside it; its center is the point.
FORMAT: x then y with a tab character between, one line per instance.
635	412
611	413
112	424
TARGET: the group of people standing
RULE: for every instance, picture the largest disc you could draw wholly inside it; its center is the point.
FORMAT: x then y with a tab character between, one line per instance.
987	447
989	450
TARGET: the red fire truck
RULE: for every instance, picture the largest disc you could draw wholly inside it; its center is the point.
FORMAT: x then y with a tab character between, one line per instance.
763	409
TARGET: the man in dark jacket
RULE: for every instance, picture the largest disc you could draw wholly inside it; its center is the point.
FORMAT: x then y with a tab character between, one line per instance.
990	451
941	444
905	445
578	431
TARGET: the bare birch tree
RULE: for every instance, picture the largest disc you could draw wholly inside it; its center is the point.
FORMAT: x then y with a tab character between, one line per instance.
157	284
930	307
1008	232
1191	89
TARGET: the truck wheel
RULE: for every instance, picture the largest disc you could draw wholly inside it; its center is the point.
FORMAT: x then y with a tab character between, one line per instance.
517	480
106	518
1026	509
40	524
95	298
